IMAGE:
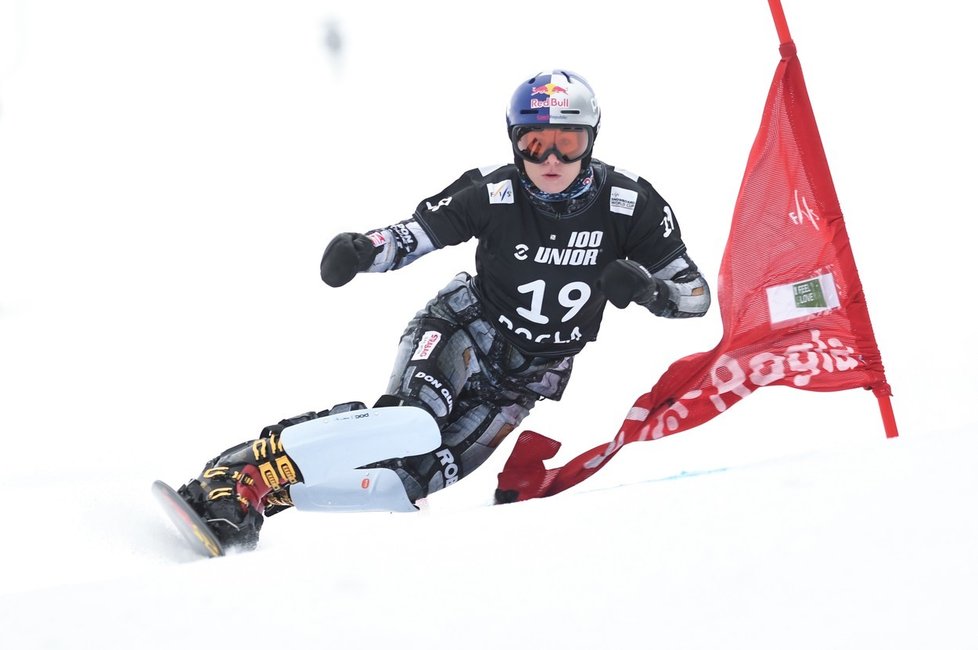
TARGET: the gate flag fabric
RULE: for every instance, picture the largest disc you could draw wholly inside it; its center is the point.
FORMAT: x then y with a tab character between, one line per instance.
789	295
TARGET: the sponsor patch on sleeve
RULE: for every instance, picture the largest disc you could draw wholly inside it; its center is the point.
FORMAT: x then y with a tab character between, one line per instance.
378	237
623	201
500	192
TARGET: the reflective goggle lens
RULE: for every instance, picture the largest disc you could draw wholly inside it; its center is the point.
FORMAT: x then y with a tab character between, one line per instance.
535	145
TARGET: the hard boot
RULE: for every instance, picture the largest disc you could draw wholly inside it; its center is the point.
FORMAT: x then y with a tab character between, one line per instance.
238	487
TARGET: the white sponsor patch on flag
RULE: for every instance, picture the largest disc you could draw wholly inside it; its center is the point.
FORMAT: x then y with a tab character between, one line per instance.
803	298
623	201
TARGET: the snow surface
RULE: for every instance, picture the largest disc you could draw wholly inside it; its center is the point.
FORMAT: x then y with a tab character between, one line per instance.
169	175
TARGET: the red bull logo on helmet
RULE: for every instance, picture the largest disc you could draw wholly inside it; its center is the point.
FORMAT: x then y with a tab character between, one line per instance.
549	90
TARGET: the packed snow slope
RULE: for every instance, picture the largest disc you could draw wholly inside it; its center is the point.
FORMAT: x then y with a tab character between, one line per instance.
169	175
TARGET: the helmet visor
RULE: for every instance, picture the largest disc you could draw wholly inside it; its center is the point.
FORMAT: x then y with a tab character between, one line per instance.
535	145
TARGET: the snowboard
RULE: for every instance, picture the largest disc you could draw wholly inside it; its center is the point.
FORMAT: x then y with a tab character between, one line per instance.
194	530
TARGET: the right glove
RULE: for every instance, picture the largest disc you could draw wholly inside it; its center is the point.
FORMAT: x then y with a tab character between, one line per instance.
348	254
627	281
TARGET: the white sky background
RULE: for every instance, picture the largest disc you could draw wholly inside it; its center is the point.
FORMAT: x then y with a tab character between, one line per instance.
170	173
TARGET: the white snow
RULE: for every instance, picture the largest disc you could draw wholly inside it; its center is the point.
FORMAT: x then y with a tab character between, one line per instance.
169	175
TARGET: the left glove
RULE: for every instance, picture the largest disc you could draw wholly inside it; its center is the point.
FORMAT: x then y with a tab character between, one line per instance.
348	254
626	281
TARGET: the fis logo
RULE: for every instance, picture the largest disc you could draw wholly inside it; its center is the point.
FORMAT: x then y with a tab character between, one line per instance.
802	212
500	193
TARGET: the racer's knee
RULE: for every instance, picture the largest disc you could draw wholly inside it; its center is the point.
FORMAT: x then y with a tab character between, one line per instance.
467	442
432	367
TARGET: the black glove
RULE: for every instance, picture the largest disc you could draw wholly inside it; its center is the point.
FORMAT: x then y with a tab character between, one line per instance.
348	254
626	281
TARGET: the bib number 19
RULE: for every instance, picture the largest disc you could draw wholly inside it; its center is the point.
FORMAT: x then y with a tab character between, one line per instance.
573	296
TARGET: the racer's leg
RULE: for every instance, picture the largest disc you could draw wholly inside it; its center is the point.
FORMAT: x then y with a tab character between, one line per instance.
478	387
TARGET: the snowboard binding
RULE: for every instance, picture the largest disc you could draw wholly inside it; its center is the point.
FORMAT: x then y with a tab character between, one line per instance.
237	488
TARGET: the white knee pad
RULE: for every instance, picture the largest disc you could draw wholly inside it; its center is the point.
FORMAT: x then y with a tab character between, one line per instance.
328	450
354	490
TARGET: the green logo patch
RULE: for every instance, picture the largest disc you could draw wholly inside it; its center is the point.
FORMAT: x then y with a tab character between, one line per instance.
808	294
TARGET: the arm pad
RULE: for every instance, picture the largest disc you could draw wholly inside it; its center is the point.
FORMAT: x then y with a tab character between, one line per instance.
677	290
688	294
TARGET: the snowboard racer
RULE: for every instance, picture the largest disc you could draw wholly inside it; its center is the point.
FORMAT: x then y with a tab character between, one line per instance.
559	233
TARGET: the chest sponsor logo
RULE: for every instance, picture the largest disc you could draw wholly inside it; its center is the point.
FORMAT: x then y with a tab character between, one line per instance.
623	201
557	336
426	345
500	192
581	250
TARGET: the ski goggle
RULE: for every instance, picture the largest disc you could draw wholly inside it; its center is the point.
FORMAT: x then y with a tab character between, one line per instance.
535	145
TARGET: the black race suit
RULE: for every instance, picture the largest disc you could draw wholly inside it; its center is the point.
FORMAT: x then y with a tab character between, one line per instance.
486	348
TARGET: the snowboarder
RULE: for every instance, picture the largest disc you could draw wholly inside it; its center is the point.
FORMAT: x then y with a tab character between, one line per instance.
559	234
